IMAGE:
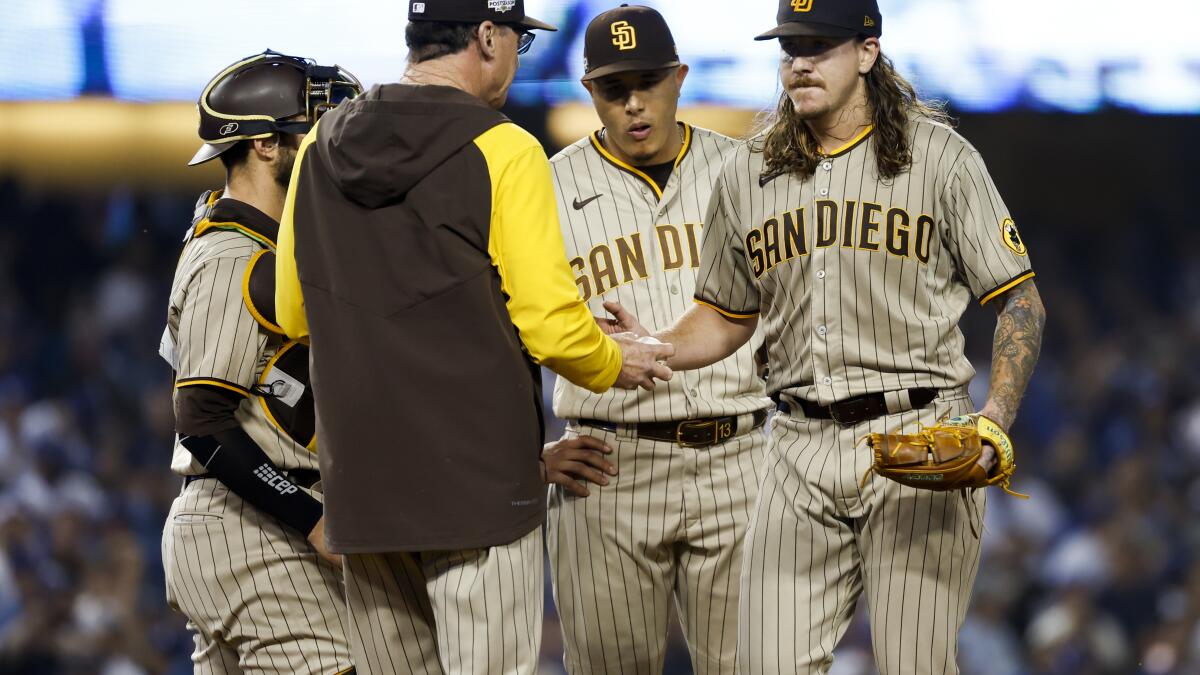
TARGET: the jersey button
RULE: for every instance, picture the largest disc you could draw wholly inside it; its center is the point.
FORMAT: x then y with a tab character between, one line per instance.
824	191
828	166
820	274
828	380
821	331
674	290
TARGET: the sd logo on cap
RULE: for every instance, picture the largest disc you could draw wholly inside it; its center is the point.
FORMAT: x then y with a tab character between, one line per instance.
826	18
630	37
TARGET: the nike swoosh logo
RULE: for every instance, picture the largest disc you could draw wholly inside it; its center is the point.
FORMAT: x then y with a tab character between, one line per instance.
580	204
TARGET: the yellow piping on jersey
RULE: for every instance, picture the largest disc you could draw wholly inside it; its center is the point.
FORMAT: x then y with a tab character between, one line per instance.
266	323
1007	287
201	381
311	446
687	142
732	315
850	144
206	225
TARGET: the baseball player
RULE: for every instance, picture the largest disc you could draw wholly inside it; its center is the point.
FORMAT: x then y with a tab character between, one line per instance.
420	250
244	558
667	512
856	228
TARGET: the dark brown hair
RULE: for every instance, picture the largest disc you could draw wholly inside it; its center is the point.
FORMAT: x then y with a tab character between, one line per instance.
428	40
788	146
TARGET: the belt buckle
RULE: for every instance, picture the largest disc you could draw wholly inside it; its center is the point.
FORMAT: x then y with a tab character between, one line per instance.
854	407
699	425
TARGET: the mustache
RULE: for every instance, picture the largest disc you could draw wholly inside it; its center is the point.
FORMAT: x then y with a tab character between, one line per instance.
805	82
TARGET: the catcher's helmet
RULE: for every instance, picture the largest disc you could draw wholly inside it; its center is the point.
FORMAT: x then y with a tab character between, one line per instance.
254	97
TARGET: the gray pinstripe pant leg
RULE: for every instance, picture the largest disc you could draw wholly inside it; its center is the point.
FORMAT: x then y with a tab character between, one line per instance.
476	611
669	527
818	540
257	598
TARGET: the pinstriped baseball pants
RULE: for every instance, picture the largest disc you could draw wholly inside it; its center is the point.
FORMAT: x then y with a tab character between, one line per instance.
818	540
669	526
476	611
257	597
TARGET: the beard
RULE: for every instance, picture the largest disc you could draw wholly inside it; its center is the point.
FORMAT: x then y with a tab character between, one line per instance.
285	162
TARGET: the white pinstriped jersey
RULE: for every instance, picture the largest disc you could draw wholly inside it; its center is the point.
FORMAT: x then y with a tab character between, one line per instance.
211	337
861	282
629	243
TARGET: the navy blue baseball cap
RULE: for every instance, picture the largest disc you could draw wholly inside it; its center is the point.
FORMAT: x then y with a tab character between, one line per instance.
826	18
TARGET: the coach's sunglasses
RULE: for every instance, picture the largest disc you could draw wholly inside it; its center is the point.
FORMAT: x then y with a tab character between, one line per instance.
524	40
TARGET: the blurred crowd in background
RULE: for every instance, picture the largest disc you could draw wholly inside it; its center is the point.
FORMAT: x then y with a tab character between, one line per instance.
1098	573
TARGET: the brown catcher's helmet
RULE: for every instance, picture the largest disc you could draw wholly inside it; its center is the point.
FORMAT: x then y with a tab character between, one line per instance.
256	96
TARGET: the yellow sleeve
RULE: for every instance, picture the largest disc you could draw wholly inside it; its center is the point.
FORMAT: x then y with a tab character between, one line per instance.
526	246
289	298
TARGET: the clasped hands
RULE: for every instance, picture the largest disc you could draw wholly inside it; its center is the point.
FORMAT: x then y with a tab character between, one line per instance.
643	357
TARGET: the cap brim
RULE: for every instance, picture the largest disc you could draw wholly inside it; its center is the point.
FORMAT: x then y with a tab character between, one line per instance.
533	24
208	151
626	66
806	29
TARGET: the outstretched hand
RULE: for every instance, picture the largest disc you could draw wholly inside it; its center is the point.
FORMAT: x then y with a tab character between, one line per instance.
622	321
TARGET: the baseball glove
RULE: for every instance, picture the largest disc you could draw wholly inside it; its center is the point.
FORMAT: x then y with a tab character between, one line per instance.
945	456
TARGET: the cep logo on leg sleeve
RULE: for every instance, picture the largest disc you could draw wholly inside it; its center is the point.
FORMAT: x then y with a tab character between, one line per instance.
272	478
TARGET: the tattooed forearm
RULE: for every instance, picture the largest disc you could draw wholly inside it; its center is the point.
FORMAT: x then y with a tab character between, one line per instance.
1015	349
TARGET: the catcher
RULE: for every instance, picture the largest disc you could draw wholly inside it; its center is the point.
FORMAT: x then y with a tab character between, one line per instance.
243	552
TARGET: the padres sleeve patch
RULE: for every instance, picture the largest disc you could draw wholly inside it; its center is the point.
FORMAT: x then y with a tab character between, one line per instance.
1012	238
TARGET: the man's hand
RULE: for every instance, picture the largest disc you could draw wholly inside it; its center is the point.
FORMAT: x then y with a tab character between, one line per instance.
988	460
642	360
317	539
574	462
622	321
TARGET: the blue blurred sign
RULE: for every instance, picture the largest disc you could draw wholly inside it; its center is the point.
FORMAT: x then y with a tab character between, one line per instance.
981	55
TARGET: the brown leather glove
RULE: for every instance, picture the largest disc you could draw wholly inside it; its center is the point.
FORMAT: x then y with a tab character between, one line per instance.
945	456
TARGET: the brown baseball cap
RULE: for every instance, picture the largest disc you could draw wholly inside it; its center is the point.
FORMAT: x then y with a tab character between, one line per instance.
826	18
508	12
629	37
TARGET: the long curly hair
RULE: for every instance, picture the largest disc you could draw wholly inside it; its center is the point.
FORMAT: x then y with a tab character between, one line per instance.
788	146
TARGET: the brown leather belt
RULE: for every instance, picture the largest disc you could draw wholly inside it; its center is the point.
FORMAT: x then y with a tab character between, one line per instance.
852	411
688	433
305	478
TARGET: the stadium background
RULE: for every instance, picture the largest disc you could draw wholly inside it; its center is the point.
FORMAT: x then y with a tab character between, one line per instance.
1085	110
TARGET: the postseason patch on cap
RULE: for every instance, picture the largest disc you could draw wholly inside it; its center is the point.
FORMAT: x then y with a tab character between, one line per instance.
501	6
418	8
